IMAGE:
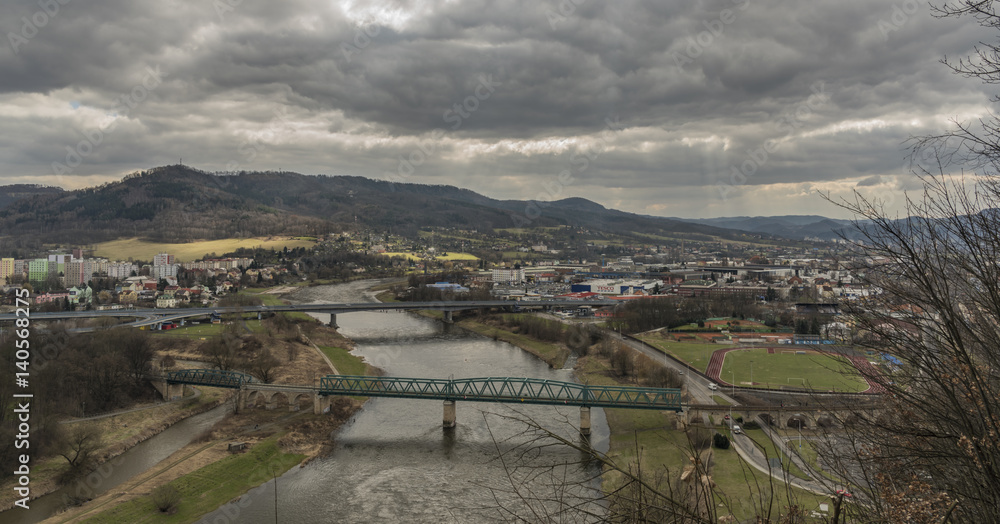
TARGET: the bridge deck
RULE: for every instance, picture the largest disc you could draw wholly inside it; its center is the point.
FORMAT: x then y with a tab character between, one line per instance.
504	389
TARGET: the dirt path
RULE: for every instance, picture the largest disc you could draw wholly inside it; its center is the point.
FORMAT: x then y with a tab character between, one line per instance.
197	393
318	350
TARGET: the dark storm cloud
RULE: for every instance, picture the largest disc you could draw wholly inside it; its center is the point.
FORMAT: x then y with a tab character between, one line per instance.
504	95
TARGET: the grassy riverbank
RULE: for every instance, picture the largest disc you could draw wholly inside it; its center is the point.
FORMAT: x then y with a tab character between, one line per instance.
119	433
209	487
554	355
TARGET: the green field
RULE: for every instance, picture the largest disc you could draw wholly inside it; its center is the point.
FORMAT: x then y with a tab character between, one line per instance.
136	249
813	371
207	329
345	362
211	486
696	354
648	434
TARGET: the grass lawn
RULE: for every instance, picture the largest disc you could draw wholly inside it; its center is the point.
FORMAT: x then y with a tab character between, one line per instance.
665	450
721	401
771	450
815	371
747	488
695	354
345	362
207	329
808	454
273	300
138	249
209	487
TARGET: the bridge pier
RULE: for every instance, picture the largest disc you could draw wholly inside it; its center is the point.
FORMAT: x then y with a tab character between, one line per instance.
167	390
448	317
321	404
449	414
584	420
333	321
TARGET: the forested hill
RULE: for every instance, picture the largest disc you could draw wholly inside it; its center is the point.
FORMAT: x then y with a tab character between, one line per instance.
177	203
13	193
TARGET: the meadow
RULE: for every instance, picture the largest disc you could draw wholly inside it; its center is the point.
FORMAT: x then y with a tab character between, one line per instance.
137	249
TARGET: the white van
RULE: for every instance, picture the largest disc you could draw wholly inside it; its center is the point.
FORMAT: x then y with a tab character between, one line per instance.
737	430
713	386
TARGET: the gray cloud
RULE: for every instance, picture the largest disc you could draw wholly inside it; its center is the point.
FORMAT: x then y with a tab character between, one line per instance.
698	88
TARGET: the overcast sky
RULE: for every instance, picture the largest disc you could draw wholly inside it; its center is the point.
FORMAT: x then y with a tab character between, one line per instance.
679	108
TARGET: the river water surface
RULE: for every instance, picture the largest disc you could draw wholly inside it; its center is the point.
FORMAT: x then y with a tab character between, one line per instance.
393	462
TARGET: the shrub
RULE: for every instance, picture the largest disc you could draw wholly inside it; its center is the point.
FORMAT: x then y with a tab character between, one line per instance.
621	362
721	441
165	498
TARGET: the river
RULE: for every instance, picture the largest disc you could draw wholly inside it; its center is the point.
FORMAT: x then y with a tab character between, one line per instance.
120	469
393	462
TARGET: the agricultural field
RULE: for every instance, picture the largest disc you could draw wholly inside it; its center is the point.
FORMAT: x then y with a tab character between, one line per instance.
123	249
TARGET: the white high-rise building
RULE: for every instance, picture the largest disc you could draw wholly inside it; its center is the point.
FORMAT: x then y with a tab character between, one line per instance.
508	276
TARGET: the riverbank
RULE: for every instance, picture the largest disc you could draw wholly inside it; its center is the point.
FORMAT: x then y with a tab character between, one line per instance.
206	475
303	350
554	355
120	433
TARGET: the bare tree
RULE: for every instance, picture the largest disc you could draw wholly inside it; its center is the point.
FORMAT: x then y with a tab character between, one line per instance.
932	453
78	447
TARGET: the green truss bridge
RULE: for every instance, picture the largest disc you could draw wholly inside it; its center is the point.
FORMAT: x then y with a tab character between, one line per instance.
504	389
511	390
210	377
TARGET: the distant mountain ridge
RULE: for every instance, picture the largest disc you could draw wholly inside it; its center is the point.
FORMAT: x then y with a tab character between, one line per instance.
788	226
177	204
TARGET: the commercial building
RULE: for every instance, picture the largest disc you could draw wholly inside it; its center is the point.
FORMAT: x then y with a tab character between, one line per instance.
614	287
508	276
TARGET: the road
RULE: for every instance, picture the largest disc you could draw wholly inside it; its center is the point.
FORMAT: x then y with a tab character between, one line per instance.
699	393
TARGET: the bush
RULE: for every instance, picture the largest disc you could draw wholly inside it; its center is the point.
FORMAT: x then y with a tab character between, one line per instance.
721	441
165	498
753	424
621	362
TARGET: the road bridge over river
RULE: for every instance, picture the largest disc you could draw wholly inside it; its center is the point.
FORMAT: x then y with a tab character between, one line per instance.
151	317
510	390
